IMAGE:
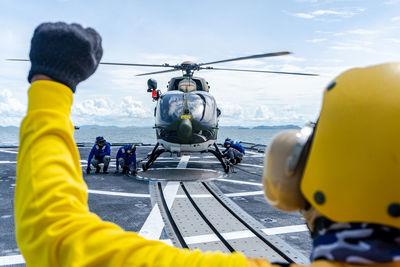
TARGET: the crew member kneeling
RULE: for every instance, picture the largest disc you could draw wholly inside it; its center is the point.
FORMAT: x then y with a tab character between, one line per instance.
101	152
126	157
234	151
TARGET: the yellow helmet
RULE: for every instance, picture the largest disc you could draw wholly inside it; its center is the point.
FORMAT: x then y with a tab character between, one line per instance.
352	169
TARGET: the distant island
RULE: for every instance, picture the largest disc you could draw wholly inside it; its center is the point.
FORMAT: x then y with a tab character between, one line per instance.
9	127
277	127
264	127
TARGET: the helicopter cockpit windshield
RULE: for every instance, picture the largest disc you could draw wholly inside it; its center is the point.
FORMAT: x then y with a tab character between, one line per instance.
201	105
203	108
169	107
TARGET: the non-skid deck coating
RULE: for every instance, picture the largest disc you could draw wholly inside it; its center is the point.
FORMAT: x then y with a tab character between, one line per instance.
127	202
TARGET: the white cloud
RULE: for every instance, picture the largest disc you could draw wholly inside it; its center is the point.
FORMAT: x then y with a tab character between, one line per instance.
362	32
392	2
327	12
11	109
304	15
316	40
133	109
393	40
231	111
103	111
395	19
264	113
351	47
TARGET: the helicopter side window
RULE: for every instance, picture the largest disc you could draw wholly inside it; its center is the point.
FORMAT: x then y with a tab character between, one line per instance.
169	107
199	86
203	107
176	83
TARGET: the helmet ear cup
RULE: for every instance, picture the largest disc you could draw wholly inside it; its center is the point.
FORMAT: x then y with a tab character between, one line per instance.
282	188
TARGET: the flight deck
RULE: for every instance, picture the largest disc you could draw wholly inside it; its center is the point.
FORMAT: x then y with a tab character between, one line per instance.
186	201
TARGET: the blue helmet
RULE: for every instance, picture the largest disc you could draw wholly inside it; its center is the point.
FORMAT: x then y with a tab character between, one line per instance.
132	148
227	142
100	139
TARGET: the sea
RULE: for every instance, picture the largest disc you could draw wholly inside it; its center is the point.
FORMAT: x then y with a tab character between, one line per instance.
9	136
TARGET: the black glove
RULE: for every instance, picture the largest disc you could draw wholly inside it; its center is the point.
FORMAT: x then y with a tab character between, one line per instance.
88	170
67	53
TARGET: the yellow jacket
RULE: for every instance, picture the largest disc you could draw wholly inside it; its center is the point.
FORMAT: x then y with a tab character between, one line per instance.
54	226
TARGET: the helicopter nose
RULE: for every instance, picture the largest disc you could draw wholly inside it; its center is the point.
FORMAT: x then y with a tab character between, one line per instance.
185	130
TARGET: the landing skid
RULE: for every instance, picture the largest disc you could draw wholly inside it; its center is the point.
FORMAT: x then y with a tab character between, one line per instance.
217	153
153	156
157	152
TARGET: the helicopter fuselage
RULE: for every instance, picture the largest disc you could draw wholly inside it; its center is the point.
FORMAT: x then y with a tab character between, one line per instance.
186	116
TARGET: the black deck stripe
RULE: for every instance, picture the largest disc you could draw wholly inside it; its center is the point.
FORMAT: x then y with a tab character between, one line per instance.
171	220
216	232
254	231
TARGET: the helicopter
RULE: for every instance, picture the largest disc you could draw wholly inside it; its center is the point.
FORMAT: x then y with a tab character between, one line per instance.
187	116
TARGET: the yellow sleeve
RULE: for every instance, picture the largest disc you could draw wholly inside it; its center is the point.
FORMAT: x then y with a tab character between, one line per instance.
54	226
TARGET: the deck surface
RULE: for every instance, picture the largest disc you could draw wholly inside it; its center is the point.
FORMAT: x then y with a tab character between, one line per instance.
127	201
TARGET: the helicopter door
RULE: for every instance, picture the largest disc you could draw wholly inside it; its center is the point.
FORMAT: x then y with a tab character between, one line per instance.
169	107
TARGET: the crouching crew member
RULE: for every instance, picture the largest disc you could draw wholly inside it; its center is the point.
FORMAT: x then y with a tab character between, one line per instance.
233	151
126	157
101	152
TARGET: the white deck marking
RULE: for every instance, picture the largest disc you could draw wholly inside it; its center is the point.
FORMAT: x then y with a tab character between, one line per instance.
239	194
8	151
254	153
245	234
7	162
154	223
238	234
183	162
206	161
11	260
200	239
243	194
285	229
195	196
215	162
121	194
250	165
18	259
167	241
239	182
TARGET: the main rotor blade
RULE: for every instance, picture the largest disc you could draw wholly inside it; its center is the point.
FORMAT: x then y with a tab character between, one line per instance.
17	59
156	72
114	63
263	71
248	57
136	65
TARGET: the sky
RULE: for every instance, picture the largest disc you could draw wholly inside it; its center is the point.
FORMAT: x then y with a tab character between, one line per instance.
326	37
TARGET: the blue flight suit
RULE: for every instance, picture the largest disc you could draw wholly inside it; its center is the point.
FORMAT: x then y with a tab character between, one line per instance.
234	151
126	160
100	154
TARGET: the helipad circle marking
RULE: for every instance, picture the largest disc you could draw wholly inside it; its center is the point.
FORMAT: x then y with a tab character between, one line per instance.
174	174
